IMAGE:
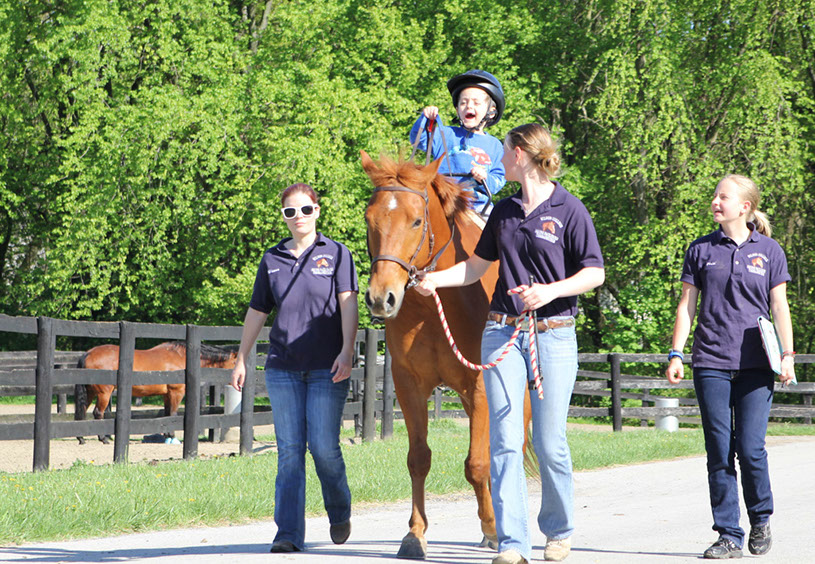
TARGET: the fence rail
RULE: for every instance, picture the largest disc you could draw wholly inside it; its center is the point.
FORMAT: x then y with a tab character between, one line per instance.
47	372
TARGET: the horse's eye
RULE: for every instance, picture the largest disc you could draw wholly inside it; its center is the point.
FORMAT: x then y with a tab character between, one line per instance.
417	223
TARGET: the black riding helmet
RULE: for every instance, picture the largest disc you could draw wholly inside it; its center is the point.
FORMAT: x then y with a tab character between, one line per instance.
486	82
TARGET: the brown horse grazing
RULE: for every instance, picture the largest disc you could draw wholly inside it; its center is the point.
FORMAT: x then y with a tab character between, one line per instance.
163	357
410	219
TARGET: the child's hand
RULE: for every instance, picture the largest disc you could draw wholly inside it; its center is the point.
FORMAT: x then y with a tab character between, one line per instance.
478	172
431	112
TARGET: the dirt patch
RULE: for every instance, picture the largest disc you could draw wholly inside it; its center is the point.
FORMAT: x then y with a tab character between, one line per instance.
18	456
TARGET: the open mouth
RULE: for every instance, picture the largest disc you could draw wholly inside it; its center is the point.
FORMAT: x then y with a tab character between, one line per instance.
469	115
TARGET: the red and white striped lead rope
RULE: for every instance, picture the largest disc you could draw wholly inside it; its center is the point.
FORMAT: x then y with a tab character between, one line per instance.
533	350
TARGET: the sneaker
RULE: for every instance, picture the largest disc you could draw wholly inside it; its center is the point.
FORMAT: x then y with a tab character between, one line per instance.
283	546
723	548
557	549
760	539
340	532
509	557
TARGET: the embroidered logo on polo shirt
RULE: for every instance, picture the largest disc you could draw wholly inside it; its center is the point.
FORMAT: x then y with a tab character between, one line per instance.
548	228
757	264
272	270
322	266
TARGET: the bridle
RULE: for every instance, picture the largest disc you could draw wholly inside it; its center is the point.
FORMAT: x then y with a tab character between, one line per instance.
414	273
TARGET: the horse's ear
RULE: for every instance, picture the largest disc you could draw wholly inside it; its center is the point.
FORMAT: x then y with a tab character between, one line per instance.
433	168
367	162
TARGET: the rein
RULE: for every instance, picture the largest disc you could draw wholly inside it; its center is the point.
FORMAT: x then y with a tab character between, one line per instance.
533	344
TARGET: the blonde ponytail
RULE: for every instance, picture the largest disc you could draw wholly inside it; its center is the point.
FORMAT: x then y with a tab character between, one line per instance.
535	140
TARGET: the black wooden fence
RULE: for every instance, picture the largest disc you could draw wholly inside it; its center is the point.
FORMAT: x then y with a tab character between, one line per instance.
371	395
618	387
47	379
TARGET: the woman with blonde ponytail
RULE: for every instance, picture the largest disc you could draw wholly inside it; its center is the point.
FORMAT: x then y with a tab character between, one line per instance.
740	274
548	254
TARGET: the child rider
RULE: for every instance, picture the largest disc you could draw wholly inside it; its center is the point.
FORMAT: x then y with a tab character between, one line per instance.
473	155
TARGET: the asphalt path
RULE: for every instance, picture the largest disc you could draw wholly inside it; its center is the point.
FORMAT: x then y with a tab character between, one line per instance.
653	512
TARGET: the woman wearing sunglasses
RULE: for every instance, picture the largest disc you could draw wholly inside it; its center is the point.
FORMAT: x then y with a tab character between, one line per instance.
311	281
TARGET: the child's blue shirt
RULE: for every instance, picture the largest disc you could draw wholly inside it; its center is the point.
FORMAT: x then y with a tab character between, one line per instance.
466	149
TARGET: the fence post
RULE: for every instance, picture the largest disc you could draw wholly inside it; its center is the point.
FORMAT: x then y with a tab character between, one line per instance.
437	403
616	395
124	391
192	395
369	387
46	343
247	435
808	403
387	397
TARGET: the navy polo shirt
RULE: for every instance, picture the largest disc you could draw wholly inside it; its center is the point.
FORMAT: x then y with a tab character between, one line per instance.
554	242
734	283
307	330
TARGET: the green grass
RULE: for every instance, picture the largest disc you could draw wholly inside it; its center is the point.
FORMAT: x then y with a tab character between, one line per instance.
95	500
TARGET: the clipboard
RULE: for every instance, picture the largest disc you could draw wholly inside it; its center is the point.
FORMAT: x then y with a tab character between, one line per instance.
772	345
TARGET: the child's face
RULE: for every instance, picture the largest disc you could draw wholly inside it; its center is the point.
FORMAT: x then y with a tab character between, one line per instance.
473	104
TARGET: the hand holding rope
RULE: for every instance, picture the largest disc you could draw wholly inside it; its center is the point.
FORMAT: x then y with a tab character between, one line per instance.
533	353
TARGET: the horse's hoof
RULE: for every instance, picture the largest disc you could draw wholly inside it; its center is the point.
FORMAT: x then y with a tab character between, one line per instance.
489	541
81	440
105	440
413	547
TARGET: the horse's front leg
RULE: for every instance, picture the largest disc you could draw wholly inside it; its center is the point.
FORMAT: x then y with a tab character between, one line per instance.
477	464
172	399
413	401
102	403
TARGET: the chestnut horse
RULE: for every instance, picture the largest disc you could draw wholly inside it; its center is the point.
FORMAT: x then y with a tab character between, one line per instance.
163	357
417	219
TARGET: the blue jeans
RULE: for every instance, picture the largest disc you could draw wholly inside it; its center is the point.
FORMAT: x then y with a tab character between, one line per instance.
307	408
735	407
506	387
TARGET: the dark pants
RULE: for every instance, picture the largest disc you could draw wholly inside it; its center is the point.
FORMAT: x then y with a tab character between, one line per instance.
735	406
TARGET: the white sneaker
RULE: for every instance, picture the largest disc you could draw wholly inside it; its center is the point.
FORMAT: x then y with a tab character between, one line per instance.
509	557
557	550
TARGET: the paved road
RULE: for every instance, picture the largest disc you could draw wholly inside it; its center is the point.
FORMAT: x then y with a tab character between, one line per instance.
654	512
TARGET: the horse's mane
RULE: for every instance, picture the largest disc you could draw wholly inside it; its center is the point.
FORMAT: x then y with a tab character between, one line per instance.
389	172
210	353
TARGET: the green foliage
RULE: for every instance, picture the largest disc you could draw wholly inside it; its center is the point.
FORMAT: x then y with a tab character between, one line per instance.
144	145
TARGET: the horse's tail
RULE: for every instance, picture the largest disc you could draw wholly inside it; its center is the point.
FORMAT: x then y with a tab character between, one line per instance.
531	462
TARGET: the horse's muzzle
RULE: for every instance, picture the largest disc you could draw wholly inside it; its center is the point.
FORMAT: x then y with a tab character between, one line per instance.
385	305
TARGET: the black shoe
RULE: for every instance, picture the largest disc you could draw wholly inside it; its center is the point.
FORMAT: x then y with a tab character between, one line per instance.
723	548
760	539
340	532
283	546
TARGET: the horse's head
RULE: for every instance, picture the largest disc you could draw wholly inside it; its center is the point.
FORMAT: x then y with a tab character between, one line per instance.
409	207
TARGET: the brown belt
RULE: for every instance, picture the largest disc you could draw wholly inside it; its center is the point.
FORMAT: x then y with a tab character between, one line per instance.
543	324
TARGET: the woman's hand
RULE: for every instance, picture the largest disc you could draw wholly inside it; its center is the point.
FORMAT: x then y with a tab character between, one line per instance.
675	371
535	296
787	371
342	366
426	286
238	375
